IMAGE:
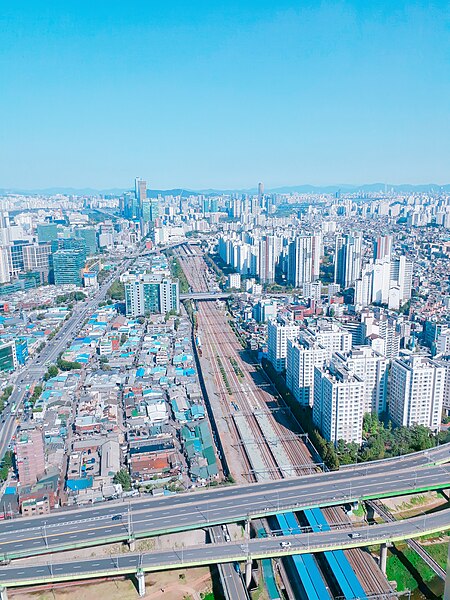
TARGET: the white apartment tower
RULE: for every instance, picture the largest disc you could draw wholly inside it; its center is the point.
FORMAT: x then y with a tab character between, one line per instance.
416	391
304	259
278	334
348	257
339	401
312	349
372	368
302	357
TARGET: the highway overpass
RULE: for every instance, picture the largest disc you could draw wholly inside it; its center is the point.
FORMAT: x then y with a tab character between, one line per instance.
30	574
96	525
206	296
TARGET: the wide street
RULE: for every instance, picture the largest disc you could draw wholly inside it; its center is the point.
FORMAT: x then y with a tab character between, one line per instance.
306	542
153	516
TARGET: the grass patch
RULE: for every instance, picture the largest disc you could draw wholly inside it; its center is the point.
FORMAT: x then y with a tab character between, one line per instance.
397	570
359	512
259	593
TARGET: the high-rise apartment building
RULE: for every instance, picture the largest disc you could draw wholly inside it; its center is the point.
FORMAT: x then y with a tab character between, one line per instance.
339	401
314	346
267	257
372	368
348	257
278	333
444	362
401	275
304	260
302	356
4	265
416	391
331	335
147	294
382	247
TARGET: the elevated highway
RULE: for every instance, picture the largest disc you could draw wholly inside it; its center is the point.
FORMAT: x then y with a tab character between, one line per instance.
205	296
385	514
307	542
106	523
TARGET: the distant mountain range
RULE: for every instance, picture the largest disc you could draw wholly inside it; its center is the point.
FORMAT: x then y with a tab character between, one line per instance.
299	189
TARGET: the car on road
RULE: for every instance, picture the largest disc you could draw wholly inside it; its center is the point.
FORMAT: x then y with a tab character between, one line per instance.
117	518
285	544
354	535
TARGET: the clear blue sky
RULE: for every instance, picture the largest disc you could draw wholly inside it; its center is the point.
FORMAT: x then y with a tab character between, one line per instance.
223	94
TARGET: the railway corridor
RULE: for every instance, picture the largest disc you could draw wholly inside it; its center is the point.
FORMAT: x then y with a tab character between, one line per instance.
267	445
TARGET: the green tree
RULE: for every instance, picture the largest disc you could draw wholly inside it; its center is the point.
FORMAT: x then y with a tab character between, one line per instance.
52	371
116	291
123	477
67	365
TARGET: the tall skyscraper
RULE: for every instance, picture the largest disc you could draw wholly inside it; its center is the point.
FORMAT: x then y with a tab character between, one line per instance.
416	391
89	235
47	232
401	275
267	259
348	259
260	190
304	260
67	265
140	189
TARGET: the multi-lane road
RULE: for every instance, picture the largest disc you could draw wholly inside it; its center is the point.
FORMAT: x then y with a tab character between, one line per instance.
104	523
27	574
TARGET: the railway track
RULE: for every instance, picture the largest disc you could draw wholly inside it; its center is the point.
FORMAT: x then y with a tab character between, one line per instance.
250	393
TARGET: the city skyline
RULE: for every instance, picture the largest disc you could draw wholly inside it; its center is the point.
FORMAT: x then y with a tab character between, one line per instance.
209	96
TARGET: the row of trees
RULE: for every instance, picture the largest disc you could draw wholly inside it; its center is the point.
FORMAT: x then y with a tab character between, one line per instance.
71	297
6	465
68	365
5	396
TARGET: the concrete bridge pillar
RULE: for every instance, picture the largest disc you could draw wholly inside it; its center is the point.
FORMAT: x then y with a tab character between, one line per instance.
3	593
247	529
370	513
248	572
131	544
140	576
383	557
447	578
